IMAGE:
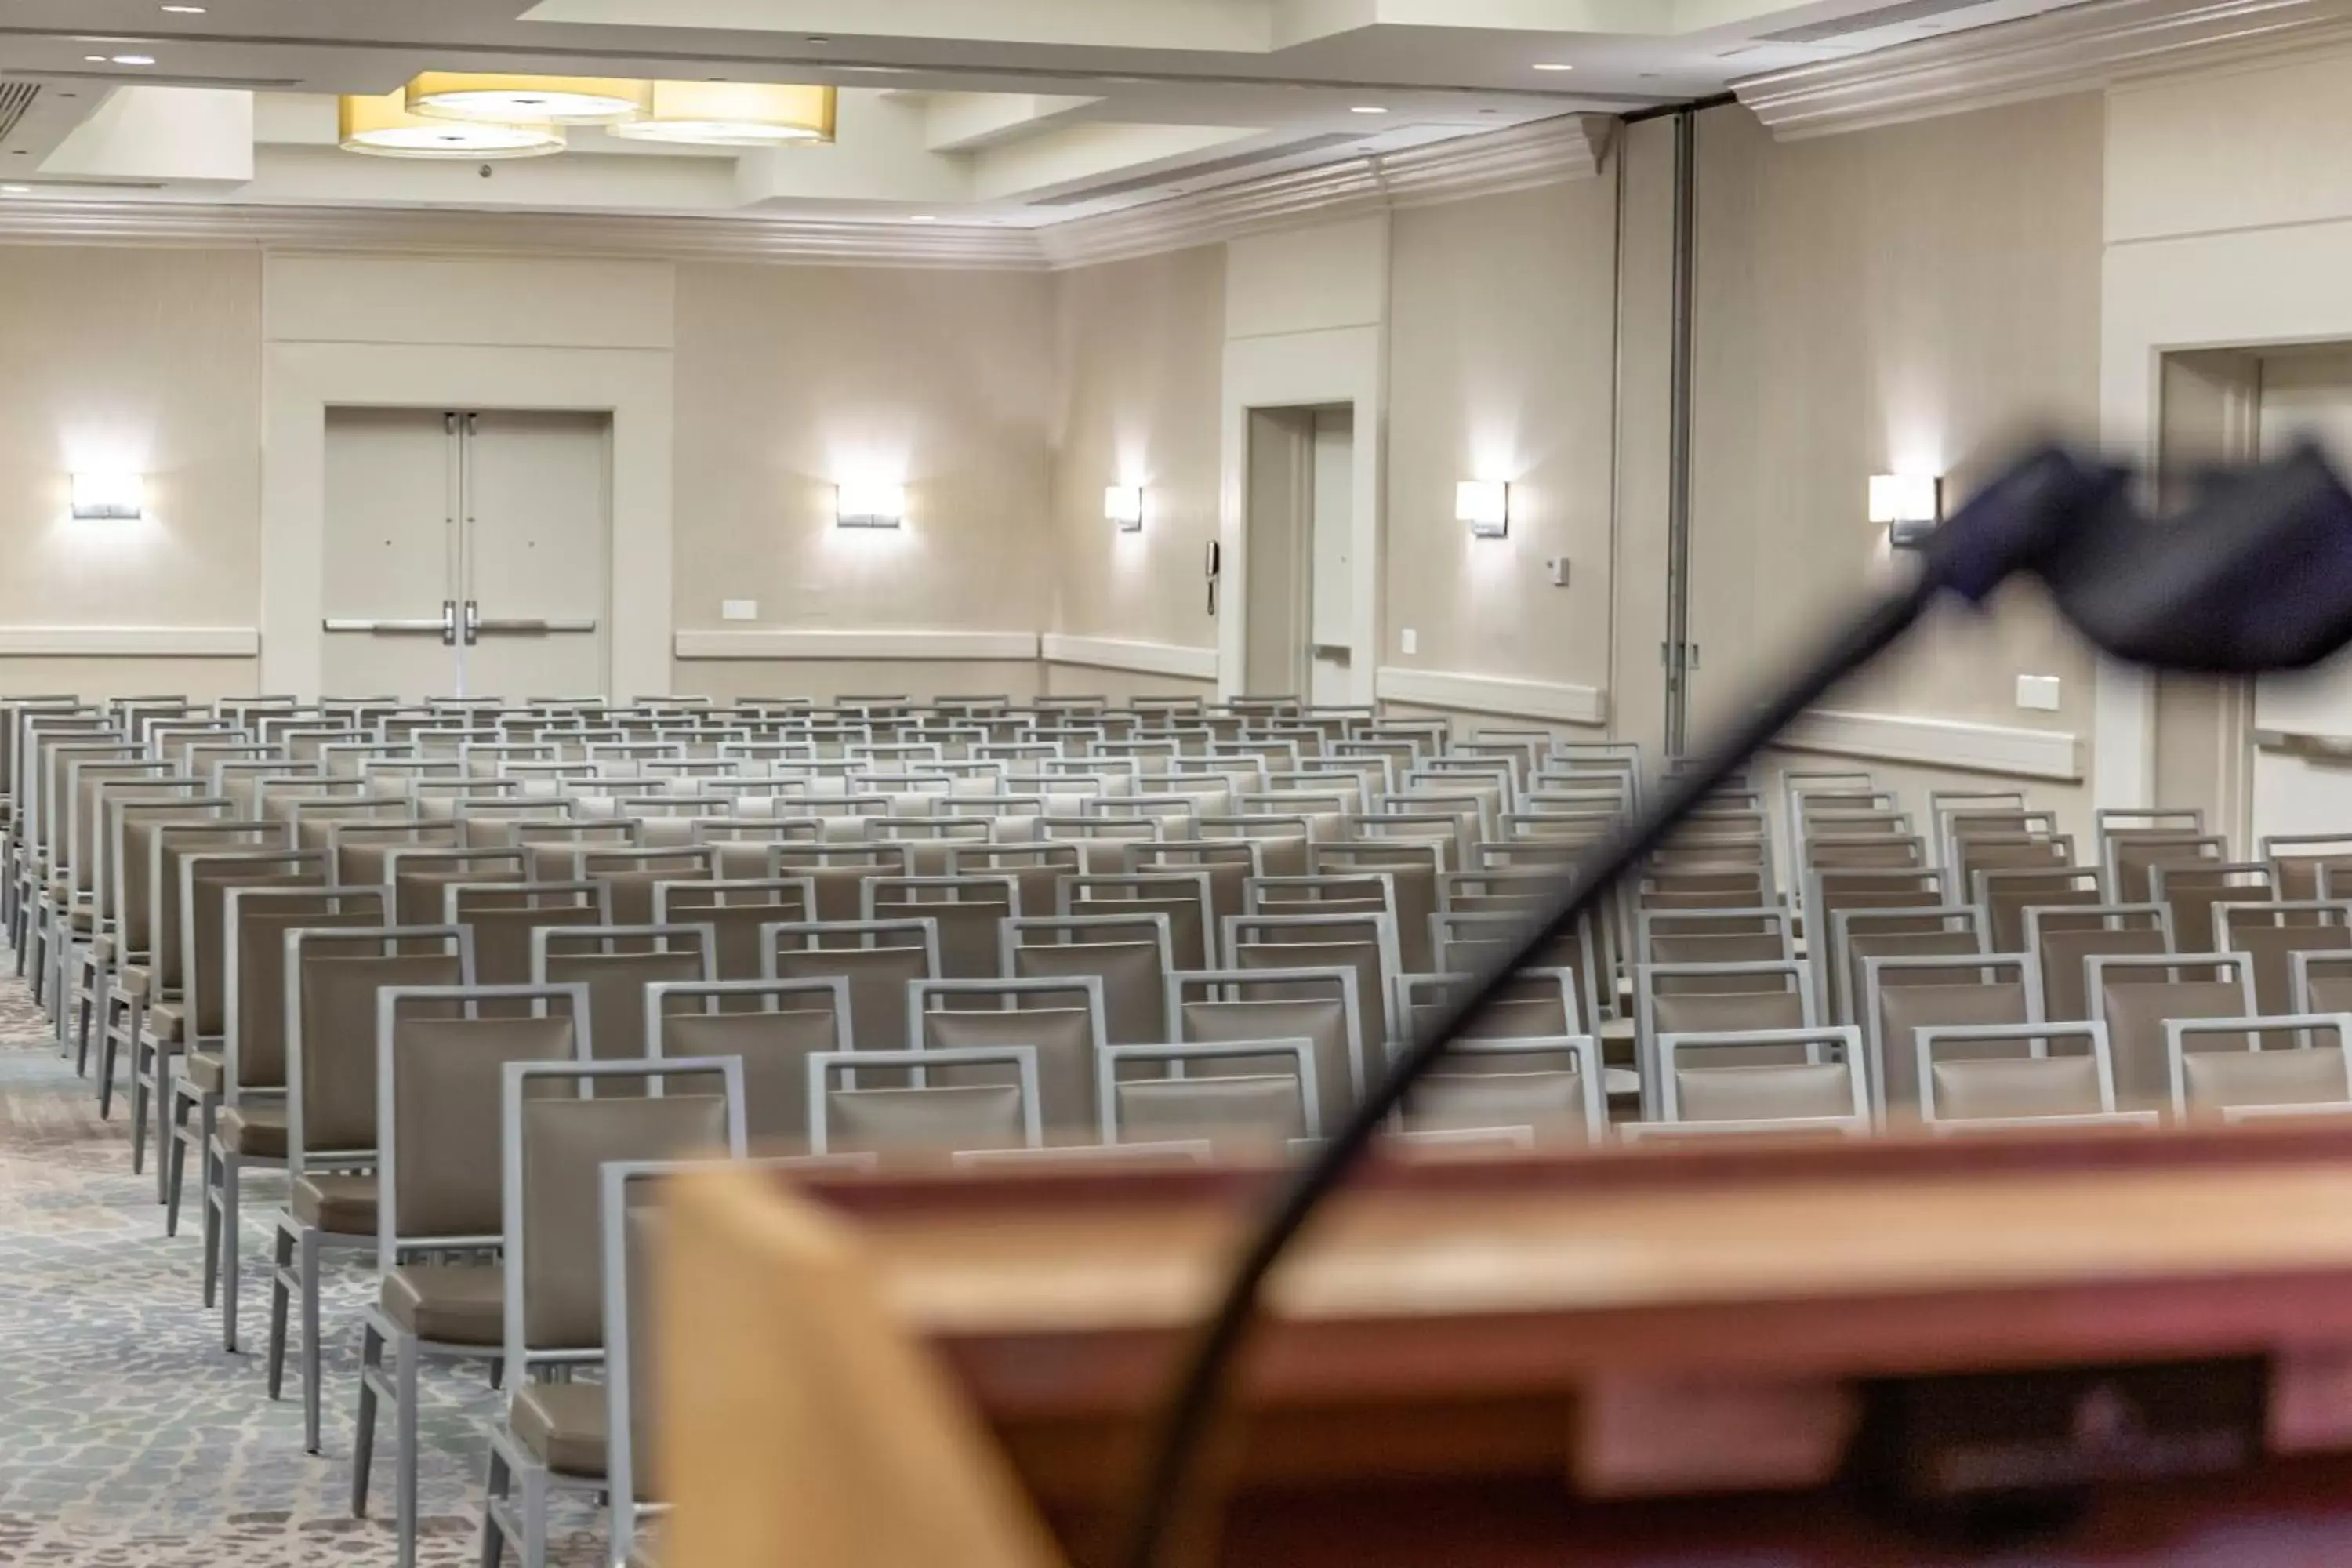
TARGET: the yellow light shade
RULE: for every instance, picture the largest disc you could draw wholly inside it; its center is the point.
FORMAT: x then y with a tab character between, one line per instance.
530	100
384	127
735	115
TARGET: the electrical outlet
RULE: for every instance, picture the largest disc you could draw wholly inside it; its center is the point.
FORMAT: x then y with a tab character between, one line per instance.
738	609
1410	640
2039	692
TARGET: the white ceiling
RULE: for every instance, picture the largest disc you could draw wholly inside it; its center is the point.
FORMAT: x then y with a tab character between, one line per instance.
1012	112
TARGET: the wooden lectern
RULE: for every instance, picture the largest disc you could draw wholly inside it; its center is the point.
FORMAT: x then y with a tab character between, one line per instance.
2124	1347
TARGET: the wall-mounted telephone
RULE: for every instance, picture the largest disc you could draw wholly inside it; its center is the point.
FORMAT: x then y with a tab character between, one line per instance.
1215	568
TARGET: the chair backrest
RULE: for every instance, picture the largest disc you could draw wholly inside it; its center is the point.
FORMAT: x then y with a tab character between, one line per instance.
332	975
773	1027
736	909
170	847
205	881
256	1025
418	876
503	915
131	827
1258	1108
1183	896
2136	997
1552	1088
552	1148
616	962
2322	982
1364	942
1316	1002
2270	933
1903	995
1062	1018
2131	858
1858	935
441	1052
1132	955
1829	1080
886	956
2062	939
2008	1072
2242	1070
2005	894
941	1116
2193	891
968	912
2299	861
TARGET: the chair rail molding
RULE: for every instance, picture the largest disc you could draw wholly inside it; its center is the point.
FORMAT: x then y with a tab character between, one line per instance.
2070	48
1558	702
2003	748
1120	653
856	644
130	642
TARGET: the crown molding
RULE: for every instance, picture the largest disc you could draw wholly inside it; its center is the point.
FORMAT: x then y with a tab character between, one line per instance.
1566	148
445	230
2080	49
1544	152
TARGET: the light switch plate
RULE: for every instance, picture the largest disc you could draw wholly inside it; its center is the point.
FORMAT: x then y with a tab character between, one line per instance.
738	609
1557	568
2039	692
1410	640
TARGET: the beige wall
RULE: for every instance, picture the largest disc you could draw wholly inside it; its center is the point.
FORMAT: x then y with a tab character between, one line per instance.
1906	299
917	680
139	359
790	379
1500	367
1138	350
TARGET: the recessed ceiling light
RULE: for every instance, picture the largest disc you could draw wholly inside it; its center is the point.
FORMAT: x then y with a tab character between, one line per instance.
186	10
15	190
1368	109
922	217
1553	66
134	60
95	59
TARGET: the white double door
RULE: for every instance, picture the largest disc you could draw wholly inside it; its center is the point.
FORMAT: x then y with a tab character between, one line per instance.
466	552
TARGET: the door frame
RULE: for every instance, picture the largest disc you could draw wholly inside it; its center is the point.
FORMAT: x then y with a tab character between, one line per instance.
1301	370
302	380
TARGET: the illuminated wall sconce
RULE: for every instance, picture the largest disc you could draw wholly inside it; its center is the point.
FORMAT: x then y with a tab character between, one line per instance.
1123	504
110	495
1485	505
1910	505
869	506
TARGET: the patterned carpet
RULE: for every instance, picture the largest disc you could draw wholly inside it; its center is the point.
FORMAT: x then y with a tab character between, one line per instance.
128	1439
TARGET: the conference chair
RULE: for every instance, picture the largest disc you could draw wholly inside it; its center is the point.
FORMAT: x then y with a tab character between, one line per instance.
2242	1072
1230	1110
2136	995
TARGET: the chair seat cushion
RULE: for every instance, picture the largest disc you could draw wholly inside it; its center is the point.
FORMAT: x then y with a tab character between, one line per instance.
564	1424
165	1020
335	1201
133	980
83	918
258	1131
455	1304
205	1070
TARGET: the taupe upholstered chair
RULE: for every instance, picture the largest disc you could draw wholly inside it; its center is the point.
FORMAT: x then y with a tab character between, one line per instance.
503	916
1131	955
252	1131
2136	997
2247	1071
941	1119
1827	1088
551	1150
1316	1002
1552	1089
2272	933
1364	944
616	962
736	909
332	975
772	1025
2062	939
440	1196
878	958
1181	896
1240	1103
199	1073
2012	1077
1063	1019
1908	993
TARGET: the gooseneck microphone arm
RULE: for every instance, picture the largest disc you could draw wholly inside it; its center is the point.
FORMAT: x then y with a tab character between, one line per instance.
2200	593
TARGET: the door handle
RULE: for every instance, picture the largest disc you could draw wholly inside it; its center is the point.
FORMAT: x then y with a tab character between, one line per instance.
530	628
473	623
418	628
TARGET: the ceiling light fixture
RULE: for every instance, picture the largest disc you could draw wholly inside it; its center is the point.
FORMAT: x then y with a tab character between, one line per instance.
134	60
15	190
735	115
530	100
921	218
1552	66
186	10
384	127
95	59
1368	109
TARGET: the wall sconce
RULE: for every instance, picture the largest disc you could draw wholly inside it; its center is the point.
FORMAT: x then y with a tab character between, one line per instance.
869	506
1485	505
1123	504
1910	505
110	495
